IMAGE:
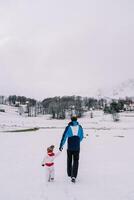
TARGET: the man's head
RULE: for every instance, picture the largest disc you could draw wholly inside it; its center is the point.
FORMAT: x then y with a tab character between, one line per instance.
73	118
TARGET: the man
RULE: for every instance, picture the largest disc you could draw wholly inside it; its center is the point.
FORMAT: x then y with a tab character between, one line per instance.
74	134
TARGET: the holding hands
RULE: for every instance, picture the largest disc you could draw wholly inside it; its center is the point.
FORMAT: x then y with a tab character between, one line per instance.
61	148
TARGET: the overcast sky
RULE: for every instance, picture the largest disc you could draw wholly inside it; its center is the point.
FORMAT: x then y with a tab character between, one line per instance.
65	47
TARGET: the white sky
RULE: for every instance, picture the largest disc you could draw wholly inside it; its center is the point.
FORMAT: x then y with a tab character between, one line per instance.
65	47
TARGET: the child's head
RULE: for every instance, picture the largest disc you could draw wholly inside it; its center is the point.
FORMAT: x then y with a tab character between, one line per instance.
50	149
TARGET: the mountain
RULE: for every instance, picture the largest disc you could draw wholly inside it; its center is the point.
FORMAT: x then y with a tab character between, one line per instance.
122	90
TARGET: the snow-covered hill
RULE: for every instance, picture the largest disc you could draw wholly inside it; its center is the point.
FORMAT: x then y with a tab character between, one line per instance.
125	89
10	120
122	90
10	110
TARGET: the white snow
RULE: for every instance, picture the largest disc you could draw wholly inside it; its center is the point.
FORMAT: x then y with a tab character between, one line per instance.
106	170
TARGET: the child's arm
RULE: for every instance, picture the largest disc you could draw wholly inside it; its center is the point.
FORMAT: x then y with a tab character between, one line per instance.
44	161
57	154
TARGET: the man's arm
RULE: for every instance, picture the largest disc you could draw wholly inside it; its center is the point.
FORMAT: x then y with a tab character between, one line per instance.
63	139
81	133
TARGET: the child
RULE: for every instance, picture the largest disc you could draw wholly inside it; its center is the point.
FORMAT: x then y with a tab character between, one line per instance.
48	162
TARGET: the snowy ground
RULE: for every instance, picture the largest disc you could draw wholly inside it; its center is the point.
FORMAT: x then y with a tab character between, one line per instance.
106	170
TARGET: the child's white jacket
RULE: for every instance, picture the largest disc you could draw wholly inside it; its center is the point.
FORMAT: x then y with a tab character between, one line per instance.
49	159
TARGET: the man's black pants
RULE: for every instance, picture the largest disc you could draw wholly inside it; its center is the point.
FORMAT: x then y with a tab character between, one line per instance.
72	163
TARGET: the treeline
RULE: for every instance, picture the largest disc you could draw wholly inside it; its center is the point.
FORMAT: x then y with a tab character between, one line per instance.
116	106
60	107
19	100
57	106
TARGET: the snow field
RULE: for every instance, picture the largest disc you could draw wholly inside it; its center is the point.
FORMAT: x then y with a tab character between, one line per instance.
106	168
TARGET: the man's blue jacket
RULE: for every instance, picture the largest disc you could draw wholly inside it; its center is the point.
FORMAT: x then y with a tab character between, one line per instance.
73	142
